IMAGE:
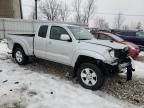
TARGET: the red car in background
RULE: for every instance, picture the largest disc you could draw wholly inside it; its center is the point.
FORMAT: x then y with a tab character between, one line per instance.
134	49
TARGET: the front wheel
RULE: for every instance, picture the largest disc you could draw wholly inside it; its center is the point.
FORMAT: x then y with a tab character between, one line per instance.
90	76
20	56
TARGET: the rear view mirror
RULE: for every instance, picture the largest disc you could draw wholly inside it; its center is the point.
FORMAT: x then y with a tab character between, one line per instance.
65	37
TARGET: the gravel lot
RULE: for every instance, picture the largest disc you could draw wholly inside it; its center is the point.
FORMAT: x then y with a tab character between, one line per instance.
131	91
140	58
117	86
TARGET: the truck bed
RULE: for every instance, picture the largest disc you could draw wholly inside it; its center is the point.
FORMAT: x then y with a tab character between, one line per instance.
18	26
26	40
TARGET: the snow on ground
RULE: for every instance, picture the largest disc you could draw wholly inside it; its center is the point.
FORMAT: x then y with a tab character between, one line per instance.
22	88
139	67
3	50
141	53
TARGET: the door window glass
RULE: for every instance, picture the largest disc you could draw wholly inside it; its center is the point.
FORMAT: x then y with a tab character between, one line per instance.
56	32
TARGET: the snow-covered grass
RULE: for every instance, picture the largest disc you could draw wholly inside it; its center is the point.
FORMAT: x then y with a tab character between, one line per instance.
22	88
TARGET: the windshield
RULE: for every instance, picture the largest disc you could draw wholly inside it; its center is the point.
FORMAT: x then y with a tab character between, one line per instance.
140	34
81	33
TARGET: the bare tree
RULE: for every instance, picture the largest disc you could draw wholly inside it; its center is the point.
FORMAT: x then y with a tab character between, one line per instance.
83	13
125	27
64	12
132	26
77	7
100	23
50	9
119	20
139	26
88	11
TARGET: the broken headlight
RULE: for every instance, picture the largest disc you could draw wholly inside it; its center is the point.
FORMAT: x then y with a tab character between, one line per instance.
112	52
121	53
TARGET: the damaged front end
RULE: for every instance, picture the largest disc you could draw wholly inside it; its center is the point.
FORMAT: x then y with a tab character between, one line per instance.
121	63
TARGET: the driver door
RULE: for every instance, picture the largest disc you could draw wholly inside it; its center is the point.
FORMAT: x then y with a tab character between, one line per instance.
58	50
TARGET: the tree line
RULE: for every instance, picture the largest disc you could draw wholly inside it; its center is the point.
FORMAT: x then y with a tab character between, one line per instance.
82	12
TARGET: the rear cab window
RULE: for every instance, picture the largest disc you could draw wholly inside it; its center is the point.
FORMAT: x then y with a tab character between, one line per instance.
43	31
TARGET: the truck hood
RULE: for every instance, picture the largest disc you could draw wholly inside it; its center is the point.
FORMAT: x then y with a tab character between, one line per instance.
106	43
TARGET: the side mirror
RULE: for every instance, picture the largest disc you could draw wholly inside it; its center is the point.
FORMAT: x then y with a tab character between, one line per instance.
65	37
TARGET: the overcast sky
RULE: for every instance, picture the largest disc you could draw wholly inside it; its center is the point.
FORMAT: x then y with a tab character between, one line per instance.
106	9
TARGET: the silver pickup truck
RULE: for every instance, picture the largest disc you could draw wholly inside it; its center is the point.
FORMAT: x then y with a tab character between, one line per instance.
74	46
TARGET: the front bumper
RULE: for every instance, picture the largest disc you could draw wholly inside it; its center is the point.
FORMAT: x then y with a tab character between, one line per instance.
125	63
122	65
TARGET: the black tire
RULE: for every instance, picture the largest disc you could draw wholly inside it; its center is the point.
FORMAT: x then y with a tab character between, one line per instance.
98	73
24	59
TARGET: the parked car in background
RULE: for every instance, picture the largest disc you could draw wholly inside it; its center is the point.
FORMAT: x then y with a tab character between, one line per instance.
134	49
136	37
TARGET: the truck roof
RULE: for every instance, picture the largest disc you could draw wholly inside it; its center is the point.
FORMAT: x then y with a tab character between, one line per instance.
67	24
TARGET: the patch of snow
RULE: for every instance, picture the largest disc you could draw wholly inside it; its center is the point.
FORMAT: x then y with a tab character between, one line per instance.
3	50
141	53
139	67
42	91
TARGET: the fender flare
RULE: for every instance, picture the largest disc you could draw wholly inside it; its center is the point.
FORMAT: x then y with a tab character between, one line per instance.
22	44
88	53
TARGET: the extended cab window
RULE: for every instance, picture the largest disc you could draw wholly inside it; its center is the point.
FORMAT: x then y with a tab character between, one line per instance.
56	32
43	31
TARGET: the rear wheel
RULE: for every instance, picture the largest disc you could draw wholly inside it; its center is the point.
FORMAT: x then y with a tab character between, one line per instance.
20	56
90	76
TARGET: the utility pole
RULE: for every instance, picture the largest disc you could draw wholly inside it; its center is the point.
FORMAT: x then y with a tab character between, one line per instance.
21	11
36	9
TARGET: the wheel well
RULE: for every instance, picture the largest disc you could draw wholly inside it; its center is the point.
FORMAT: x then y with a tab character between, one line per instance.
16	45
81	59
